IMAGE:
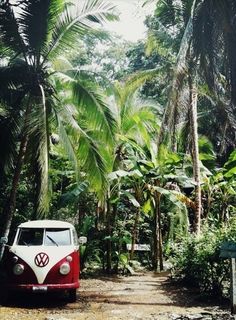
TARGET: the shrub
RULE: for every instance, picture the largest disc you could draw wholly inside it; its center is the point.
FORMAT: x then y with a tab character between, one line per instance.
196	260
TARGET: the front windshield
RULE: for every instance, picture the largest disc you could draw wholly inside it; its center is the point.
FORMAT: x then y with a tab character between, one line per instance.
30	237
37	237
57	237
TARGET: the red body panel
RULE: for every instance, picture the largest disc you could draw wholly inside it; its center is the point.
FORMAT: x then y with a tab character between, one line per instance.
54	275
28	276
53	281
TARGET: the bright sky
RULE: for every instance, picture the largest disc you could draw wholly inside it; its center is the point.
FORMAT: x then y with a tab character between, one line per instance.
131	26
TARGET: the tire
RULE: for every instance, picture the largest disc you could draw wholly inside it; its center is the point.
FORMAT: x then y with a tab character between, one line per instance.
4	297
72	295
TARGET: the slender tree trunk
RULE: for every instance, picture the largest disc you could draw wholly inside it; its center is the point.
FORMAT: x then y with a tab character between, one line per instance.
223	212
100	216
174	136
11	203
158	247
208	208
160	233
108	232
134	233
195	154
222	145
155	243
97	218
81	215
36	192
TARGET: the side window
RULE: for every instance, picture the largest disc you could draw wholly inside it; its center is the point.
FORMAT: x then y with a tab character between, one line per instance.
30	237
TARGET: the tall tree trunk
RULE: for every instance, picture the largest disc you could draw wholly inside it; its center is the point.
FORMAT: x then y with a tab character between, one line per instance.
195	153
160	233
97	217
155	243
34	215
108	234
158	246
134	233
11	203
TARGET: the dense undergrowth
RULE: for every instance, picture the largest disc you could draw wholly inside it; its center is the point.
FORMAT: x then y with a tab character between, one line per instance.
197	262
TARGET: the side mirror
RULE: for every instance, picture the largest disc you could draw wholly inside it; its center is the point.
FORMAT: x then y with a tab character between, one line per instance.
82	240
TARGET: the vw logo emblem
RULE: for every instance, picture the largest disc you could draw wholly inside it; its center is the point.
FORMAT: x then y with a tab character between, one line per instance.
41	259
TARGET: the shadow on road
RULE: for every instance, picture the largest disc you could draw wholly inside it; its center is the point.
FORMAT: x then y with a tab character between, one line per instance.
31	300
191	297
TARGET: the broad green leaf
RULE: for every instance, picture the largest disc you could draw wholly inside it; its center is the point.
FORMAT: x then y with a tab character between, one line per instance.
132	199
230	173
147	207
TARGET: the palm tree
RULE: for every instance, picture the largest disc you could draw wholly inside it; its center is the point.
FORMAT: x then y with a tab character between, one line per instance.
211	38
32	35
209	28
136	124
170	13
214	46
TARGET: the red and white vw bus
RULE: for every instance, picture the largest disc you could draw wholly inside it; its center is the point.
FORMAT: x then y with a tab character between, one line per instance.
44	257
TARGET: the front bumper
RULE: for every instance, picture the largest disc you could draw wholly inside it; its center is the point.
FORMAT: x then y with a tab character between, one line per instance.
42	287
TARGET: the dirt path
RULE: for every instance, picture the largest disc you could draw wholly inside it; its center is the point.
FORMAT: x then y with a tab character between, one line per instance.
142	297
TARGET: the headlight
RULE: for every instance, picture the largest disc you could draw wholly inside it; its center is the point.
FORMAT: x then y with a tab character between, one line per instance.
18	269
15	259
65	268
69	258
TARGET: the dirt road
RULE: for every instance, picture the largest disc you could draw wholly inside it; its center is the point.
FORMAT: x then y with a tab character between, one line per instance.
142	297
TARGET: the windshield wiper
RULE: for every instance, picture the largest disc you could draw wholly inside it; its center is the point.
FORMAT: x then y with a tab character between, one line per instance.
53	241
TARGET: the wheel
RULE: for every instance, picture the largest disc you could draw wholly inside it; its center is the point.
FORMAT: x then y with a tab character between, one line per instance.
72	295
4	297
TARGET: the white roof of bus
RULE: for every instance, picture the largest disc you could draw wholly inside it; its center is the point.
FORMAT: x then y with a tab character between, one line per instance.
46	224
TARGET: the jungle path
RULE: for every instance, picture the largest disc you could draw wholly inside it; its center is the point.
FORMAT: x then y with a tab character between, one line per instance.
141	297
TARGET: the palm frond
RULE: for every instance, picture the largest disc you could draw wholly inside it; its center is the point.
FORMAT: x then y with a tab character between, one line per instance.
214	40
37	20
160	41
72	195
135	81
88	98
146	2
140	124
167	12
10	35
180	72
38	132
82	148
43	157
16	75
98	11
204	41
124	140
68	145
61	64
9	131
75	22
92	162
126	92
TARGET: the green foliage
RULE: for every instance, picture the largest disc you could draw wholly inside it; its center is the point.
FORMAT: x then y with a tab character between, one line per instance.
197	261
230	166
106	171
28	86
